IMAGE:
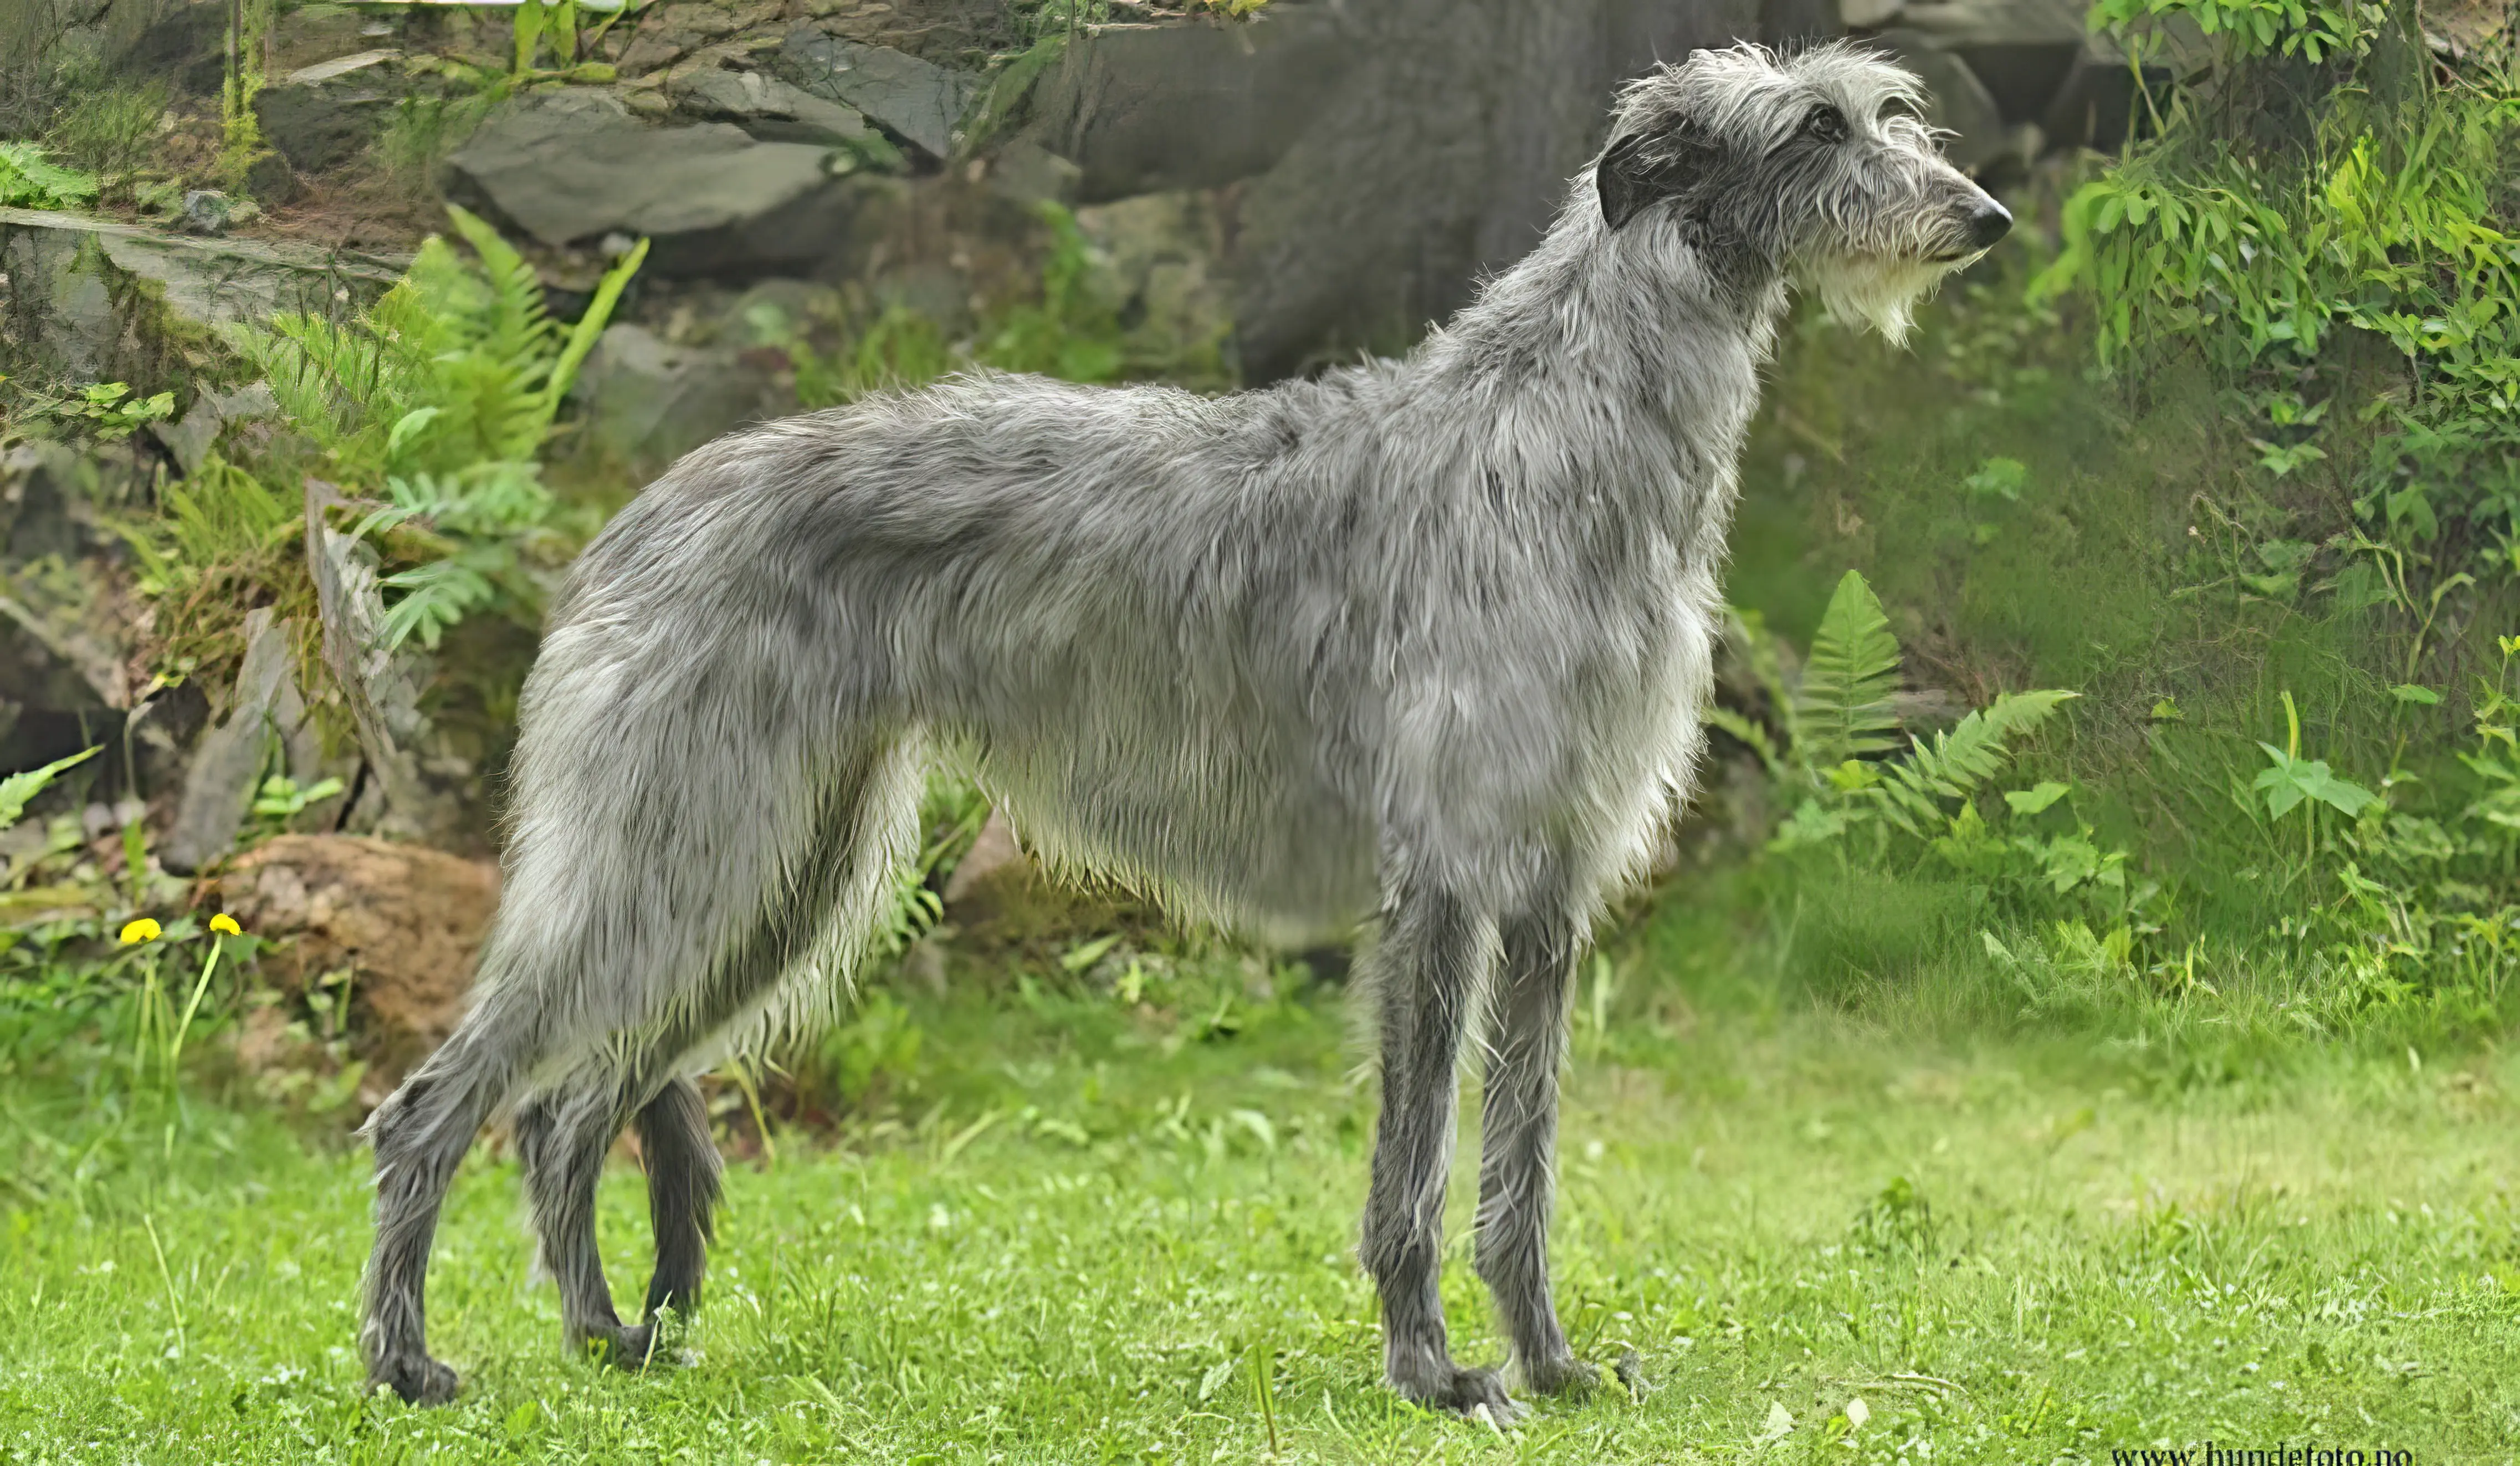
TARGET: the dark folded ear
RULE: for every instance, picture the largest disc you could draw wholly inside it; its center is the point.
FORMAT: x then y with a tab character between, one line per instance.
1644	168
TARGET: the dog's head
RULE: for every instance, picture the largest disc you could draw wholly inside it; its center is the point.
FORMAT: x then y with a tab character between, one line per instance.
1817	163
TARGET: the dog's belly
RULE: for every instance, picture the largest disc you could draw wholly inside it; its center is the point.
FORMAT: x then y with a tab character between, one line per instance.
1217	830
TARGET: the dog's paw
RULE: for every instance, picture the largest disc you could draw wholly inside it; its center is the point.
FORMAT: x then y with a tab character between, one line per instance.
622	1346
417	1381
1631	1370
1564	1374
1467	1392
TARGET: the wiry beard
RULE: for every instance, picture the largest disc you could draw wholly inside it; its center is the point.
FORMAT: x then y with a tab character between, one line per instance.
1880	291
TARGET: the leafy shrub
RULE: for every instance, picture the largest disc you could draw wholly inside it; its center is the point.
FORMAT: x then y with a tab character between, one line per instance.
28	180
2357	235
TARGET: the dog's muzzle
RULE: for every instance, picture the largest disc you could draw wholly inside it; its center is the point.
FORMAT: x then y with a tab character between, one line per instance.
1986	222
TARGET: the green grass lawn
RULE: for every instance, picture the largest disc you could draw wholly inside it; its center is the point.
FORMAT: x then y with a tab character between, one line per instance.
1084	1234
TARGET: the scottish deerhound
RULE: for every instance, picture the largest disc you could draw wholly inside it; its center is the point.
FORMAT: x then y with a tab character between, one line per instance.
1426	638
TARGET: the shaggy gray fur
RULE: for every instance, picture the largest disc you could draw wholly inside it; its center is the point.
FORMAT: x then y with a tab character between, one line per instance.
1425	637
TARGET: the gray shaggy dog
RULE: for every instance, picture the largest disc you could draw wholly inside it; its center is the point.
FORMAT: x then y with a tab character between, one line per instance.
1424	639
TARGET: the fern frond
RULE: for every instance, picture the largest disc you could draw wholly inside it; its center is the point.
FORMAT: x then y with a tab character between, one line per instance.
307	362
514	329
1752	737
434	597
1959	763
1842	711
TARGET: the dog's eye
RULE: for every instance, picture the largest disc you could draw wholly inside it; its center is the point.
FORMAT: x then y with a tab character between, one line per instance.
1826	124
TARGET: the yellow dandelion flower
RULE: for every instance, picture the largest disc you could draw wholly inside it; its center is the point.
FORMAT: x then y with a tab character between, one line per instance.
142	929
226	925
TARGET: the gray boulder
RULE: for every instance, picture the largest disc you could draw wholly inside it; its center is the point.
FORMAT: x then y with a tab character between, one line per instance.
769	109
571	166
208	211
917	100
211	413
66	636
264	710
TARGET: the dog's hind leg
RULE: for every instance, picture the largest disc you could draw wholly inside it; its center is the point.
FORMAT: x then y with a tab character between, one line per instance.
647	908
565	1132
684	1174
1430	963
1519	1138
563	1135
421	1132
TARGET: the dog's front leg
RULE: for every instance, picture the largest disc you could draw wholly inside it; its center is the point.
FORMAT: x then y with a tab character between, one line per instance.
1434	947
1517	1144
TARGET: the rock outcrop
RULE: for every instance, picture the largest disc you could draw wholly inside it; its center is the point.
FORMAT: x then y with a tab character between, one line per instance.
98	299
572	166
917	100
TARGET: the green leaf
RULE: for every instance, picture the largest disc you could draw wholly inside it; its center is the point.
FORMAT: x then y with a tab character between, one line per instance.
1998	479
1085	954
590	326
16	789
2036	799
2286	782
408	426
1843	706
2409	692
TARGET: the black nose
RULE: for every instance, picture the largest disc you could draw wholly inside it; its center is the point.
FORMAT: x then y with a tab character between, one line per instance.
1987	223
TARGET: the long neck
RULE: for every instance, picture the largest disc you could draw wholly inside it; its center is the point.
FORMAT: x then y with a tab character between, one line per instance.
1613	363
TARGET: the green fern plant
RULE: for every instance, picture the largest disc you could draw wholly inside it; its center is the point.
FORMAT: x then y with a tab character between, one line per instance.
459	364
435	403
28	179
1841	719
480	524
1842	709
1957	765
